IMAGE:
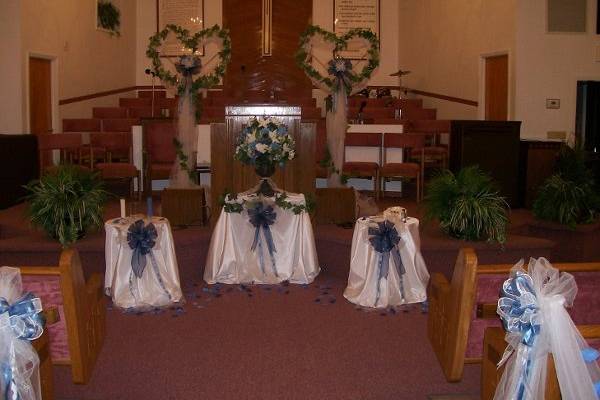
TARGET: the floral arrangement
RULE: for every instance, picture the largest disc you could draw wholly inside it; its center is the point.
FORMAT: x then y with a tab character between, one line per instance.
265	140
233	203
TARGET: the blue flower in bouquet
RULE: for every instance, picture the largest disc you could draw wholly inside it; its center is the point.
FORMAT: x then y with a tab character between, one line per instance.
265	140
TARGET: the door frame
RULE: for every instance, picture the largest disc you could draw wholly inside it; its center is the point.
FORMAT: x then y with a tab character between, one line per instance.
481	91
53	90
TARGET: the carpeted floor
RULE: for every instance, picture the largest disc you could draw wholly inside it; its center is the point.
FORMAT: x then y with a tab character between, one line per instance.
281	342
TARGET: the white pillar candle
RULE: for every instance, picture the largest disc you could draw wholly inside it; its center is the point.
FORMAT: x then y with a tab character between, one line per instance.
122	208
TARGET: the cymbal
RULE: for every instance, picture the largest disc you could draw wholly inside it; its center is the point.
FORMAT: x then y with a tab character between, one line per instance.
400	73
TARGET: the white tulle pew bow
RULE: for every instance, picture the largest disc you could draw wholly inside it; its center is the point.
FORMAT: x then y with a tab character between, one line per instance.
532	308
20	322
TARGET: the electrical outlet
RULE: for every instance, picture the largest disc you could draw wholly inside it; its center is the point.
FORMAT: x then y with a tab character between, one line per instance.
552	103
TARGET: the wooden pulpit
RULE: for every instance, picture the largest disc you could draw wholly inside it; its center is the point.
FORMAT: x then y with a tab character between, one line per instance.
230	175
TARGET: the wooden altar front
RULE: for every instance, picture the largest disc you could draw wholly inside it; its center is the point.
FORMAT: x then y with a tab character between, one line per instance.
230	175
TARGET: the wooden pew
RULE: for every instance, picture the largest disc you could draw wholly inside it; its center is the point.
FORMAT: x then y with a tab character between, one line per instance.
493	348
461	310
42	347
77	338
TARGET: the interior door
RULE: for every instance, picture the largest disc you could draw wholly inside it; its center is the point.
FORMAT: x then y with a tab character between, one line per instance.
496	88
40	96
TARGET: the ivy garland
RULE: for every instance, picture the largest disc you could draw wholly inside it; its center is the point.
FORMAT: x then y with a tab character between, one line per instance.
340	43
231	204
190	42
183	160
109	17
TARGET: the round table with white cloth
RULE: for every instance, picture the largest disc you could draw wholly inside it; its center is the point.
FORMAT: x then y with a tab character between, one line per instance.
366	285
232	260
158	285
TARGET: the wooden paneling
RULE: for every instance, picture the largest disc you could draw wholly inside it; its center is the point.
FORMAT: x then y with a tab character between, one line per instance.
183	207
40	96
335	206
249	71
536	164
496	88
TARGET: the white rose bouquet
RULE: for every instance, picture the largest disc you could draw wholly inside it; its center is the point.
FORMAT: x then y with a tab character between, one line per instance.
265	142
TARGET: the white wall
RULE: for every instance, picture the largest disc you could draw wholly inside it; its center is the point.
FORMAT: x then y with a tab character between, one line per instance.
88	60
11	80
548	66
442	42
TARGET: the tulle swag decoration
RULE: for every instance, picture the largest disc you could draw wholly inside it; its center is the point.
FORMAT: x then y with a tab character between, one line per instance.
20	322
187	86
532	310
265	140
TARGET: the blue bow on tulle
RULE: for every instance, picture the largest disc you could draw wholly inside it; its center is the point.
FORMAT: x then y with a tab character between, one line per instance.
261	217
26	323
141	239
518	308
384	238
341	69
24	315
188	65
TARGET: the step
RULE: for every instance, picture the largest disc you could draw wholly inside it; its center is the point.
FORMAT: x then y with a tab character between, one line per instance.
118	124
81	125
135	102
148	94
109	112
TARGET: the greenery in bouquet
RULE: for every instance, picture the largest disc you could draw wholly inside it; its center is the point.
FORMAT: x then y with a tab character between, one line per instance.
265	140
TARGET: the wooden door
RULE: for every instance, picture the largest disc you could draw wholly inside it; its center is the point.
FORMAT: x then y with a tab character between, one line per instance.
496	88
250	74
40	96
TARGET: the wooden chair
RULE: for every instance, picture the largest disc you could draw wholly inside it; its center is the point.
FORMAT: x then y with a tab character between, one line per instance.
109	143
158	150
494	346
77	338
68	145
364	169
410	145
461	310
435	153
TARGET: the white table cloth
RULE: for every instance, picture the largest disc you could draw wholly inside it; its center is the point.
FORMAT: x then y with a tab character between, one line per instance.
364	266
230	257
159	284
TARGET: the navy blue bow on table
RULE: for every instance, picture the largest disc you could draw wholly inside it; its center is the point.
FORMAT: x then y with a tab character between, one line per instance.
141	239
26	323
385	239
261	217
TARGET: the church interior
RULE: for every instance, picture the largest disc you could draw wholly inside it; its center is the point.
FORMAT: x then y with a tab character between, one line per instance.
299	199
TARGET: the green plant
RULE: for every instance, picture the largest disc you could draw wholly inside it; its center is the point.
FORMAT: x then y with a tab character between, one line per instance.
568	197
66	202
467	205
109	17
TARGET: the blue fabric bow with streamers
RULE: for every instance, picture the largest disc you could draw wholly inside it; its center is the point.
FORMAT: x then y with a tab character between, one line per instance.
141	239
518	308
26	323
341	70
385	239
261	217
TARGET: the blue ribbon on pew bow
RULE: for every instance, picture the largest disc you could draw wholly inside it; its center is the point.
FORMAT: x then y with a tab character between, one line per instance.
141	239
341	70
384	238
261	218
26	323
519	311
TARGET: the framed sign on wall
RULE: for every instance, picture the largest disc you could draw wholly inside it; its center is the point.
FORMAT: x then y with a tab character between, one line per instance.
188	14
350	14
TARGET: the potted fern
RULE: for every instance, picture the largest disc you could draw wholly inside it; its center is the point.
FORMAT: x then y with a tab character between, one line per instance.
568	197
66	202
566	209
467	205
